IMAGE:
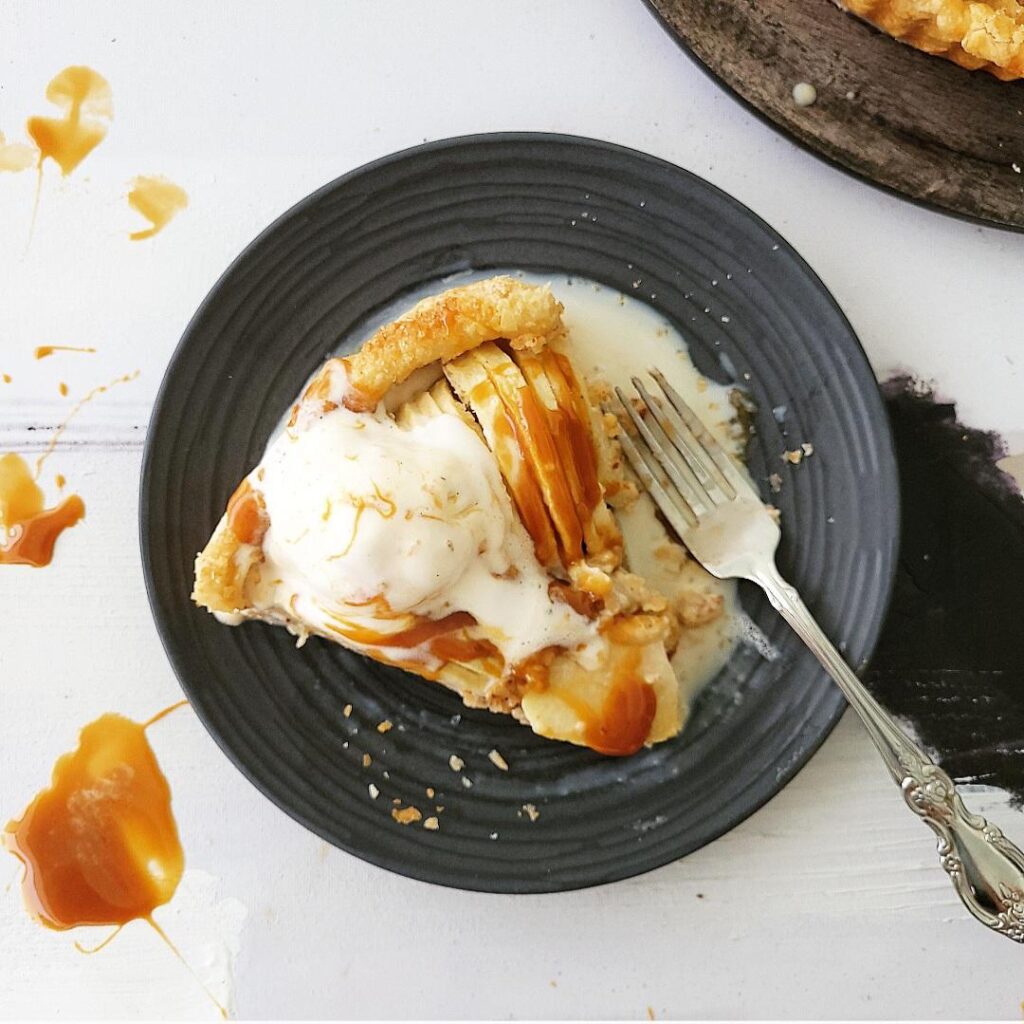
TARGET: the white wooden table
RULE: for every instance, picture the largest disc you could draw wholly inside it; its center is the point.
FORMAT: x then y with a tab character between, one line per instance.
826	903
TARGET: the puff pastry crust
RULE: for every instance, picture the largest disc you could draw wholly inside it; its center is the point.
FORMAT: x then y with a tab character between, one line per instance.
986	36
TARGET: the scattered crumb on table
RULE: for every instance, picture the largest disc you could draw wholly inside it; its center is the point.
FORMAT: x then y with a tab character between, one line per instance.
406	815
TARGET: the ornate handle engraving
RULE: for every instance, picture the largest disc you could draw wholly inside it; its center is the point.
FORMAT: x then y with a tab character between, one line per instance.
986	869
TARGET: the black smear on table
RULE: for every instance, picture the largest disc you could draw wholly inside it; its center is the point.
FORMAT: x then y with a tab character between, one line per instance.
951	656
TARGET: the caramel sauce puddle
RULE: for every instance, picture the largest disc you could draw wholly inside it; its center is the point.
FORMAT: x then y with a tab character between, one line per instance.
86	99
29	530
100	845
158	200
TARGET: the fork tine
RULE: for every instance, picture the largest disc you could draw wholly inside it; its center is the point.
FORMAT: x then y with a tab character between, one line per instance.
681	475
671	431
723	463
681	518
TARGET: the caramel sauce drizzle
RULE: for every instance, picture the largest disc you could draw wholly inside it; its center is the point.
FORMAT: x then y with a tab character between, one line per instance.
44	351
100	846
384	506
544	453
75	410
246	514
522	482
420	632
158	200
624	720
28	530
86	99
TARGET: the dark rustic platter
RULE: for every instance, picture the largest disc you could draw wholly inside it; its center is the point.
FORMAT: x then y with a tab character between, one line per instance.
911	123
751	309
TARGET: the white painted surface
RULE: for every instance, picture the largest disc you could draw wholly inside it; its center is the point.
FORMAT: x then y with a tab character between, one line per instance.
827	903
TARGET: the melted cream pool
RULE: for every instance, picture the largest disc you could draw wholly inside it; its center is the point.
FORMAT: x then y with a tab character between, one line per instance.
612	337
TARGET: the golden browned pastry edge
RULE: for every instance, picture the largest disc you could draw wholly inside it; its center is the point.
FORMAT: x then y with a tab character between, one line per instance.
987	36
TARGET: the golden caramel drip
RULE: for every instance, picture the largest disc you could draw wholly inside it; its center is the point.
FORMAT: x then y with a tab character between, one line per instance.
543	452
379	503
100	845
28	530
526	492
75	410
534	673
624	721
423	631
44	351
158	200
246	515
85	98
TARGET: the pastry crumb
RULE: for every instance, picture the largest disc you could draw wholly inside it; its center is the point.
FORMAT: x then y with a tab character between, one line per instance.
497	760
456	763
797	455
775	483
374	791
431	823
430	792
494	835
407	815
467	782
384	726
530	810
347	710
696	609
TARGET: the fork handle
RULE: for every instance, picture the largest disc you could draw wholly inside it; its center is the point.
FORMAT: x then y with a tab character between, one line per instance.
987	870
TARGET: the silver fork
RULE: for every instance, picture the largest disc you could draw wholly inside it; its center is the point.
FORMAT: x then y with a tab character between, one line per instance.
723	522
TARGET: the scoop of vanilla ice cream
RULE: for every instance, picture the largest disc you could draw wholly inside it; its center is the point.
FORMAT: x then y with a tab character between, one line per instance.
360	507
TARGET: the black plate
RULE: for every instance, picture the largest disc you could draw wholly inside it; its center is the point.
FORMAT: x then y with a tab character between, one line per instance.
540	202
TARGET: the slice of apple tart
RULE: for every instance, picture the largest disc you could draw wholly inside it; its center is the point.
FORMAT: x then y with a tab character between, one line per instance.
435	502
